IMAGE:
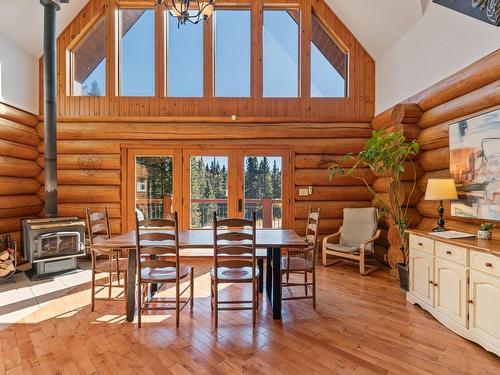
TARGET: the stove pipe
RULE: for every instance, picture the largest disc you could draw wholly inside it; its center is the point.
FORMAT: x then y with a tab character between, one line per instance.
49	92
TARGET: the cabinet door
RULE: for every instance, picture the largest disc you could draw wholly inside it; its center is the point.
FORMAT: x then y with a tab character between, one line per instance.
421	276
450	293
484	306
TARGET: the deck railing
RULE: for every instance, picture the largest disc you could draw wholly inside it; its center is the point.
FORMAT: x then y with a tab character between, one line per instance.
268	210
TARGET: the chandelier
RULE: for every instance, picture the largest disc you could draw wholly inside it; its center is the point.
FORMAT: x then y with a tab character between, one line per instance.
188	11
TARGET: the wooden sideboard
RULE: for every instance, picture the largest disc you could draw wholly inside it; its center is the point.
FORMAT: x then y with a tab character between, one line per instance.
458	282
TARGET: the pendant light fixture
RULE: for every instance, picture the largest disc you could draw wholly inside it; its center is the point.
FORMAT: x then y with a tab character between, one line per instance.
188	11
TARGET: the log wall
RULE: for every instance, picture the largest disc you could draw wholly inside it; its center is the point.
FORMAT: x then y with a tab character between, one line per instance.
18	168
470	92
314	147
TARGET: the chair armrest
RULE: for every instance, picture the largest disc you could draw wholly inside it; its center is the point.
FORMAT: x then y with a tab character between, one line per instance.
371	239
327	239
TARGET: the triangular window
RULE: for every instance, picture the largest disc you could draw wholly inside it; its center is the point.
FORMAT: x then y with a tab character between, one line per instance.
88	67
328	64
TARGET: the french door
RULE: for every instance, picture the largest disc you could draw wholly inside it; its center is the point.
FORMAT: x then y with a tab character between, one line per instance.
234	183
197	181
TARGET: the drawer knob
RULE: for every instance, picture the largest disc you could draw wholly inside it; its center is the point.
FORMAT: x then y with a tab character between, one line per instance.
435	284
470	301
488	264
448	252
431	282
420	244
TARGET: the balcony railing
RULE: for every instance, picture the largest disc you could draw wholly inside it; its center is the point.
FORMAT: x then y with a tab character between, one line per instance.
268	210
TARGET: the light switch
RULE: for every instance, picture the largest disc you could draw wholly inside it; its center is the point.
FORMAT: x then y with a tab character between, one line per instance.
303	192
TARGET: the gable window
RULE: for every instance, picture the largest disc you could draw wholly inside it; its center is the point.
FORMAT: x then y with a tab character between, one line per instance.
281	53
184	58
88	63
328	64
232	53
137	52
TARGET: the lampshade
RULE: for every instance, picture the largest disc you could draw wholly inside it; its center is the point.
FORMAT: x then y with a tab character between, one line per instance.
439	189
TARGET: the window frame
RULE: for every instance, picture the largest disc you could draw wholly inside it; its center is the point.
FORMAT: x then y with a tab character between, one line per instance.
70	57
300	50
340	45
119	49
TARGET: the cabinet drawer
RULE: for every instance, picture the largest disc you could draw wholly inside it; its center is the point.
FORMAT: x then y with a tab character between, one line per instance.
422	243
485	262
452	253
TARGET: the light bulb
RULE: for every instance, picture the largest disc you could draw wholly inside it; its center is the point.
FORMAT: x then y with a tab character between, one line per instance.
208	9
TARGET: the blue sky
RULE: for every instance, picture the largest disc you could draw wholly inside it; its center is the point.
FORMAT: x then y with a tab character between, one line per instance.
232	58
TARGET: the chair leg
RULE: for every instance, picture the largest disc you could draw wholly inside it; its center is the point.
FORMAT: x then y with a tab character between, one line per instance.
92	289
216	304
323	255
362	265
139	303
125	287
305	283
212	294
314	286
177	305
254	305
191	289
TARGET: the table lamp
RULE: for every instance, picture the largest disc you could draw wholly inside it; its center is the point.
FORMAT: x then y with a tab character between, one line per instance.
440	189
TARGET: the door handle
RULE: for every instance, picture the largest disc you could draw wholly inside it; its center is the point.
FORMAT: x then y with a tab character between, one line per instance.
240	205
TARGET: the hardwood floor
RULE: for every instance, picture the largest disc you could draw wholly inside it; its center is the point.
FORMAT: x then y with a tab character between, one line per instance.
362	325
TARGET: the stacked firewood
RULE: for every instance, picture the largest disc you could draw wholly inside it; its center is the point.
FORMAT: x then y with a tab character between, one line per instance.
7	257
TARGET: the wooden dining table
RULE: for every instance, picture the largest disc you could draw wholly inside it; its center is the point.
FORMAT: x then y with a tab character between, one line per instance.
198	243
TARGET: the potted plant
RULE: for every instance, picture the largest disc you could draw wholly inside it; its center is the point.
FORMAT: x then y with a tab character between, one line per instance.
484	231
386	154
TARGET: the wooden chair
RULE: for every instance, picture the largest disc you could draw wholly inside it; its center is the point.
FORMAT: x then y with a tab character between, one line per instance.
98	228
235	261
303	261
158	262
355	238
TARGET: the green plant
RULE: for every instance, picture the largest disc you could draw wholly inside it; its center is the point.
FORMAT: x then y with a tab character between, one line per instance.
487	227
386	154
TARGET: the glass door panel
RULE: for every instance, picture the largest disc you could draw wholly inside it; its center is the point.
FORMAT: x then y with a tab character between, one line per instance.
263	177
153	186
208	189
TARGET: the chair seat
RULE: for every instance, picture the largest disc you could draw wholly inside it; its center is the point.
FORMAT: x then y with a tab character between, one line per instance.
296	264
342	248
234	274
110	265
164	274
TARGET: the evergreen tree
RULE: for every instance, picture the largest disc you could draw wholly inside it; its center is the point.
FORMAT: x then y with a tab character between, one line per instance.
94	89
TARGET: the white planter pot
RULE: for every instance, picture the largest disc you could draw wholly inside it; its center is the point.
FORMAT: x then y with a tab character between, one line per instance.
484	234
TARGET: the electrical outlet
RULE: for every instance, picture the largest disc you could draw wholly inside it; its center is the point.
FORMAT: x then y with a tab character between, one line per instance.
303	192
310	190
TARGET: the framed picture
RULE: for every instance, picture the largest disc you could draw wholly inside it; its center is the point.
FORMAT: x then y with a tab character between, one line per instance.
475	166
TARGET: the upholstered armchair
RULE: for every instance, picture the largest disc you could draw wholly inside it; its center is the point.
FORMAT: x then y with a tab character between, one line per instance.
354	240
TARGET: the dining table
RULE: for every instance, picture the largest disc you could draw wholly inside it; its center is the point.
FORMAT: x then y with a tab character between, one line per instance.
198	243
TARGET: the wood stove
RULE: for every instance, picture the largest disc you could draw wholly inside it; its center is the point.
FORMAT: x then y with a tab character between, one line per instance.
53	244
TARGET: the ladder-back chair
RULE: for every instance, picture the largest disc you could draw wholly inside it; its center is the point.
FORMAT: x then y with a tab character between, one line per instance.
235	261
158	262
98	229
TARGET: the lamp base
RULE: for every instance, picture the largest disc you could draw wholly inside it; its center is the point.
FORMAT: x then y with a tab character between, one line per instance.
439	229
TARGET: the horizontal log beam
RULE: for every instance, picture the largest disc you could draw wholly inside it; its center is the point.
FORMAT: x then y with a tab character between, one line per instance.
17	115
13	167
18	185
475	101
434	160
408	113
14	132
21	151
320	161
477	75
78	209
72	161
13	201
86	194
434	137
334	193
321	177
326	226
82	177
329	210
193	131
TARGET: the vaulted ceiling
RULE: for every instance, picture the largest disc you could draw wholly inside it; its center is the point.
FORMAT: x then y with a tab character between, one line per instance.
377	24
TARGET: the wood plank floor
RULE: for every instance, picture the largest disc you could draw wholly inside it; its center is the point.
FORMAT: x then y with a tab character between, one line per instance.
362	325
